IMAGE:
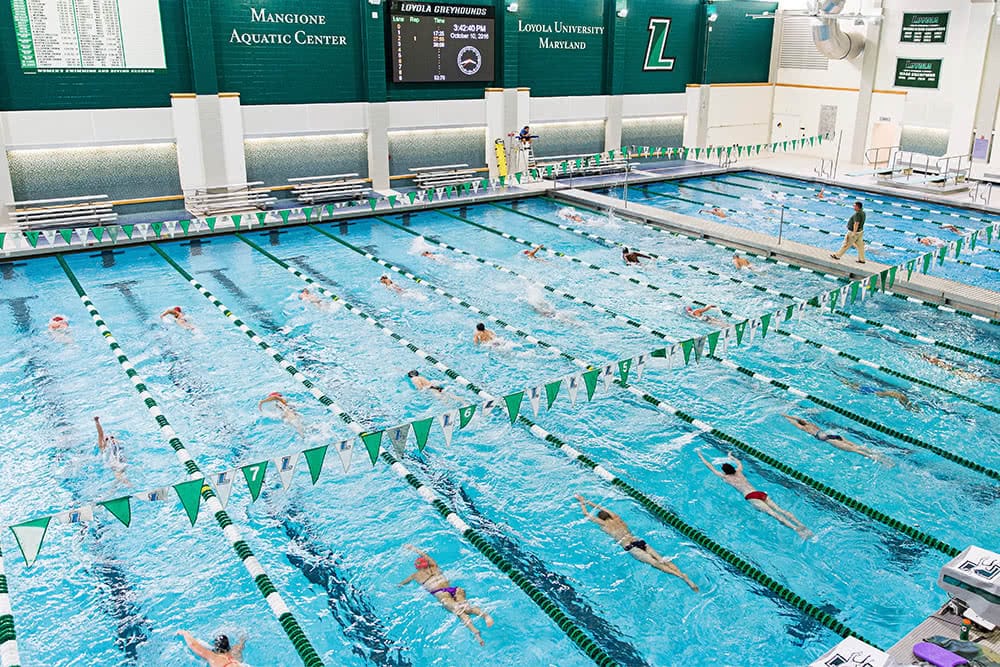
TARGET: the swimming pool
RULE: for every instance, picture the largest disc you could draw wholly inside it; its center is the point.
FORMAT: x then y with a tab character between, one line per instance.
335	552
896	229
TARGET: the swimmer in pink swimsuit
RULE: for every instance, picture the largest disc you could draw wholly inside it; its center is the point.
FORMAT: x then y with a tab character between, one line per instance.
220	655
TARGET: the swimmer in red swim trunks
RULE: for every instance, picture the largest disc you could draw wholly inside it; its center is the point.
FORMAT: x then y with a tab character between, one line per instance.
430	576
733	476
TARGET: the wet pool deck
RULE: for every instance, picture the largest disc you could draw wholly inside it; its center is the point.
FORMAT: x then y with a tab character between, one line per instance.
944	623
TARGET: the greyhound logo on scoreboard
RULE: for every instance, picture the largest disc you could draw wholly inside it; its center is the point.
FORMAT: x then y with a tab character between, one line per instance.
854	659
987	568
470	59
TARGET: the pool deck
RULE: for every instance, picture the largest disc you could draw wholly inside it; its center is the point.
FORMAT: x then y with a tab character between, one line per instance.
931	288
944	623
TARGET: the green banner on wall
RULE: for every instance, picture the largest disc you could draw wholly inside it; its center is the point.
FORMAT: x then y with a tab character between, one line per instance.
924	28
918	72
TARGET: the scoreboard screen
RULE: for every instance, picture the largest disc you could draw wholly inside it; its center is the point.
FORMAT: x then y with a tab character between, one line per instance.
431	42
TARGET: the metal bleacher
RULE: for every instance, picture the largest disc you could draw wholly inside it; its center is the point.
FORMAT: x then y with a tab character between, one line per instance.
333	188
86	211
228	199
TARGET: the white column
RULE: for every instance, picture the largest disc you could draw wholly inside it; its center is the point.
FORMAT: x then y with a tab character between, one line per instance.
209	135
6	187
613	122
988	109
866	90
696	121
378	146
974	43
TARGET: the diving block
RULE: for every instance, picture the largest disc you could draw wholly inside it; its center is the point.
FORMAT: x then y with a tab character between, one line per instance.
853	653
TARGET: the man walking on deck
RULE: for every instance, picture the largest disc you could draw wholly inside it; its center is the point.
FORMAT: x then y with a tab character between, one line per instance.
855	234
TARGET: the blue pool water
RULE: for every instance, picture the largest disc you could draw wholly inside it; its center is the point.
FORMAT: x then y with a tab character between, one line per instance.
754	201
335	551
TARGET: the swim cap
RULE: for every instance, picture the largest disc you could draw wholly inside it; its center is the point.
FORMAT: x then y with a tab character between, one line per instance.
58	318
274	393
422	563
413	374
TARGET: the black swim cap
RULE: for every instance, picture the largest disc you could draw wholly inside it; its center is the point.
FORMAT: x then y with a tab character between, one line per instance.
480	327
728	469
603	515
222	644
413	374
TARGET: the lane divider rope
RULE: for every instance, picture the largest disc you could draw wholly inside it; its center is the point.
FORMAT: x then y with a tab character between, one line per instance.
9	654
303	646
660	512
569	628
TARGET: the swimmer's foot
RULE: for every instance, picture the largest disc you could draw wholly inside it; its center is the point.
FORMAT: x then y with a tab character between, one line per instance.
804	533
489	620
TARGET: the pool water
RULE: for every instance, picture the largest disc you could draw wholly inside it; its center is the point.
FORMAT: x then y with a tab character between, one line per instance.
335	551
893	229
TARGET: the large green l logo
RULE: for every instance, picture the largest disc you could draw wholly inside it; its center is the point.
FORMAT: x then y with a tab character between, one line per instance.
656	59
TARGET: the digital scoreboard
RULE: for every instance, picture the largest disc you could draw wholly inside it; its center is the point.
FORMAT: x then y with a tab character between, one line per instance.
431	42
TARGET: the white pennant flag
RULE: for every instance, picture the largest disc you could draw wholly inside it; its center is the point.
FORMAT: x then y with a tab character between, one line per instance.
143	229
223	482
640	365
82	233
154	496
672	356
286	468
50	235
823	299
448	420
171	226
800	308
397	436
475	187
421	195
845	294
439	193
345	449
79	515
488	407
573	383
608	375
535	396
752	329
727	335
29	538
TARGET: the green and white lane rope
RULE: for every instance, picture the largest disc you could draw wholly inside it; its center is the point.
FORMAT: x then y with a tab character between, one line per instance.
303	646
575	634
635	323
660	512
760	288
820	230
661	405
9	654
804	269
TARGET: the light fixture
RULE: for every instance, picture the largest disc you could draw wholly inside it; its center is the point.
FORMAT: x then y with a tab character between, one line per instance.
623	12
712	14
512	7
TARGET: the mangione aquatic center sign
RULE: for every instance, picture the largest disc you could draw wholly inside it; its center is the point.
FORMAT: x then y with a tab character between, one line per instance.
264	28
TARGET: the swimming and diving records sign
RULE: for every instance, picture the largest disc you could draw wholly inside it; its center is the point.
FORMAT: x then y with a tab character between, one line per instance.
918	72
433	42
924	28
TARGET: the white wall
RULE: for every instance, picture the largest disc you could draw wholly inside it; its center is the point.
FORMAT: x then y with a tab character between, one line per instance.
739	114
86	127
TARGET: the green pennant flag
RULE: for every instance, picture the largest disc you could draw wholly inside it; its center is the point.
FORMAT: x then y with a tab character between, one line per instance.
421	429
185	225
308	212
740	327
261	217
883	278
551	391
989	234
30	536
236	220
812	141
314	460
927	262
330	208
120	509
67	235
373	202
590	379
429	193
855	290
834	299
784	145
32	238
624	367
661	353
128	230
910	265
392	201
112	233
484	184
449	191
513	402
687	346
503	181
548	171
211	224
765	322
189	493
942	253
254	475
284	213
465	416
789	312
958	248
892	276
972	240
713	342
373	443
412	196
3	237
518	176
157	228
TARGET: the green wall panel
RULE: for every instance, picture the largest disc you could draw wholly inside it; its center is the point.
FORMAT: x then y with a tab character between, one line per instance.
317	57
561	47
50	90
274	160
121	172
739	49
646	68
430	148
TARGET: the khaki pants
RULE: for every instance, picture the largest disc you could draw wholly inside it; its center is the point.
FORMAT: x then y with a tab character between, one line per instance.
855	239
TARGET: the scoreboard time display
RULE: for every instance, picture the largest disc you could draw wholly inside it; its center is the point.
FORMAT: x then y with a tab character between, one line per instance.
432	42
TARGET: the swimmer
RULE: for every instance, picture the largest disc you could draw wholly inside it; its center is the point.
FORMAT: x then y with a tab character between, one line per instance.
955	370
833	439
222	654
427	254
742	263
178	316
613	525
702	314
570	215
285	410
952	228
483	335
733	476
716	211
111	450
872	390
541	305
821	195
385	280
932	241
430	576
59	323
533	253
632	257
420	383
312	299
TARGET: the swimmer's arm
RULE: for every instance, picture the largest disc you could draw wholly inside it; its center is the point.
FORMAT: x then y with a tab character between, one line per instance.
739	464
269	399
422	553
237	651
100	433
196	646
407	580
709	465
166	313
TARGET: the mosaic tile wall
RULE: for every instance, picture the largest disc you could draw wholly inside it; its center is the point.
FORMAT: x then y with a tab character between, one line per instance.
274	160
666	131
928	140
121	172
428	148
568	138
